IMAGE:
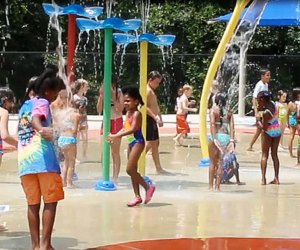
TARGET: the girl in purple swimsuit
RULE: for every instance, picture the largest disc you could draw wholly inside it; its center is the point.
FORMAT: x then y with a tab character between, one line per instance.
133	130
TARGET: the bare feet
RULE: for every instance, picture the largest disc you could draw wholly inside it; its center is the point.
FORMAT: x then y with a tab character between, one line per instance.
241	183
250	149
275	181
177	142
293	156
263	181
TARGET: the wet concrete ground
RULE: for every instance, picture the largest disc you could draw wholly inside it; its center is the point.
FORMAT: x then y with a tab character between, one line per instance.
182	206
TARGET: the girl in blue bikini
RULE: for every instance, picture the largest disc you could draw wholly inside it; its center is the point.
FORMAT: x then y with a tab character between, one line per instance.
293	122
221	140
133	130
67	120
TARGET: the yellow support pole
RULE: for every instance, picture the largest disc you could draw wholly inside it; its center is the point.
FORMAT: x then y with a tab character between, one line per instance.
240	5
143	91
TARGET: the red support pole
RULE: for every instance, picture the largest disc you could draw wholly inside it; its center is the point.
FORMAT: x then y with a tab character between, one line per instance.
71	45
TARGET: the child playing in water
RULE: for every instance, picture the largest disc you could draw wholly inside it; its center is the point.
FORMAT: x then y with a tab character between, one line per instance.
271	134
38	165
133	131
283	113
221	140
81	102
68	120
182	125
6	104
293	121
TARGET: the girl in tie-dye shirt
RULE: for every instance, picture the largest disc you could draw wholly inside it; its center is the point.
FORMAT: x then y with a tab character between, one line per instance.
38	165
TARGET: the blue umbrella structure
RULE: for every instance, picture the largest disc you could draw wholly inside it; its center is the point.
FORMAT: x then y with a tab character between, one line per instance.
276	13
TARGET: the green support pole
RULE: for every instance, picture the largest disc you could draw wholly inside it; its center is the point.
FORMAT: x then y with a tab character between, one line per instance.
106	184
107	100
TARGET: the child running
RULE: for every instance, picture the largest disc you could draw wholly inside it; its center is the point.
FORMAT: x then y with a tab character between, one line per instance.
67	119
270	135
38	165
133	131
6	104
182	125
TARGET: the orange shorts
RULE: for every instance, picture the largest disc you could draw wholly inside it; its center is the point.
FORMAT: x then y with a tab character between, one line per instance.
182	125
48	185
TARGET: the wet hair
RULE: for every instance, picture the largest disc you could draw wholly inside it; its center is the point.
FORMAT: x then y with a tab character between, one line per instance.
280	93
220	101
78	84
295	93
263	71
48	80
6	94
134	93
154	74
265	95
30	87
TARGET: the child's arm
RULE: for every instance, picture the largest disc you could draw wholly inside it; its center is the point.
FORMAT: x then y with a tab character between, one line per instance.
185	107
76	124
4	129
100	101
135	125
267	116
40	112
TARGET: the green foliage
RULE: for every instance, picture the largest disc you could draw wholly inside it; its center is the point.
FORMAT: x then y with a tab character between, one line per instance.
187	62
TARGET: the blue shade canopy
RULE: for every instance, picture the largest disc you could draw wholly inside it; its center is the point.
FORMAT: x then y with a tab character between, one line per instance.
160	40
276	13
89	12
109	23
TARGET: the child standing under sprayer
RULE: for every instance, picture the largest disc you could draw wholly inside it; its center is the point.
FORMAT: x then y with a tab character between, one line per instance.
39	168
133	131
67	120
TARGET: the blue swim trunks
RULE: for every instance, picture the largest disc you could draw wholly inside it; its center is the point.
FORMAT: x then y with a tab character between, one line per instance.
64	141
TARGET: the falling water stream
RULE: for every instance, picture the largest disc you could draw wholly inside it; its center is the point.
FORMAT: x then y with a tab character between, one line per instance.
228	72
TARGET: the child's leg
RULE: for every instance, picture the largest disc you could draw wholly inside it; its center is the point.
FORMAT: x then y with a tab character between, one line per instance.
214	158
115	152
219	174
274	151
255	137
292	136
84	137
265	146
48	222
65	168
34	225
132	166
71	155
282	126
